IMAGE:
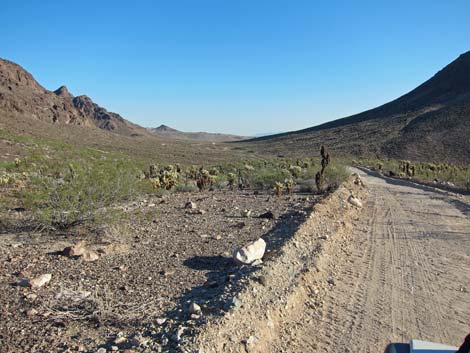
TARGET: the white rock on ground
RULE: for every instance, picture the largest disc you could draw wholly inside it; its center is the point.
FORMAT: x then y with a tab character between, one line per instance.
190	205
355	201
195	309
40	280
77	250
248	254
90	256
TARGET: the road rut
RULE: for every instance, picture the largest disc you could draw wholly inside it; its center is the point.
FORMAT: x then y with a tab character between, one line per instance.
404	273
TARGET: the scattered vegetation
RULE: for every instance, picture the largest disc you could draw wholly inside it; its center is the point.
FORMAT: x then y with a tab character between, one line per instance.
450	175
60	186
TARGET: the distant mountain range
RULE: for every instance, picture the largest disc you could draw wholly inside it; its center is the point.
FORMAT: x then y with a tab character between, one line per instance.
22	97
166	131
432	123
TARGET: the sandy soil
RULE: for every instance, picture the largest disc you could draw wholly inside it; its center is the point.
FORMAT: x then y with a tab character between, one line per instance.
399	268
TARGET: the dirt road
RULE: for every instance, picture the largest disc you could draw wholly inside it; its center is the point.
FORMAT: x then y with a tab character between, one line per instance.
403	273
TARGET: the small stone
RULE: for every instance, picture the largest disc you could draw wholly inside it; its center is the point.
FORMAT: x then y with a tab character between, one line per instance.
40	280
262	280
190	205
31	296
324	237
138	341
251	342
161	321
114	348
233	304
120	340
31	312
331	281
76	250
90	256
355	201
194	308
246	213
101	350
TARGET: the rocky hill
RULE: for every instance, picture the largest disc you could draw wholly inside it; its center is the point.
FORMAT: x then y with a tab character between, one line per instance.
166	131
22	97
432	122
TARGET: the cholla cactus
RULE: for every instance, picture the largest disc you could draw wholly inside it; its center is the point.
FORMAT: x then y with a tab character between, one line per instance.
204	179
4	180
168	179
279	187
325	158
231	178
214	171
318	181
17	162
169	168
289	185
324	163
295	170
191	172
153	171
156	183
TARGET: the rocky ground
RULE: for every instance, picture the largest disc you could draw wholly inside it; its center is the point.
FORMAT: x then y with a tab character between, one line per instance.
131	286
356	278
348	274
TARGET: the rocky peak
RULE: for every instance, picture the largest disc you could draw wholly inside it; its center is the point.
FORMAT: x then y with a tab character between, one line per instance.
62	91
164	128
13	76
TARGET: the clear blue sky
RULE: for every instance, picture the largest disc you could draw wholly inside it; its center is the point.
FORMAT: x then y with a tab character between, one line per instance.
236	66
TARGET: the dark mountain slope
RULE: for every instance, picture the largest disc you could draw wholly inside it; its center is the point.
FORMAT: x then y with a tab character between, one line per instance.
424	124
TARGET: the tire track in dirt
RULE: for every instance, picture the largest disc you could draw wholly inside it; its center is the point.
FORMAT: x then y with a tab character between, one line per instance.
391	286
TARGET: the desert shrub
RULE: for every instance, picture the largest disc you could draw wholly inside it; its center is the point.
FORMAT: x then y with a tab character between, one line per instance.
186	187
306	185
427	172
76	198
266	178
335	174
